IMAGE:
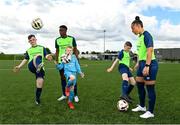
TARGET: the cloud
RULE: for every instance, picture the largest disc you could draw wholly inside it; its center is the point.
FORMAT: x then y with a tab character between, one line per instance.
86	21
166	4
168	32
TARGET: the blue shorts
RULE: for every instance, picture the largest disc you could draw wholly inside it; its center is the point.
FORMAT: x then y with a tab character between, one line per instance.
32	69
124	69
153	69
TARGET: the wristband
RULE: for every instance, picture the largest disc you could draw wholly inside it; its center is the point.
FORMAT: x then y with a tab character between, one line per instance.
147	65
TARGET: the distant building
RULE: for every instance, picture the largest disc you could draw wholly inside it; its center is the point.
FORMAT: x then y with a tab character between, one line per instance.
167	53
89	56
171	54
107	56
100	56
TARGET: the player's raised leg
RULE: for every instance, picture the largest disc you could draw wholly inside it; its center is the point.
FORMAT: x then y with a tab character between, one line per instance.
71	79
37	61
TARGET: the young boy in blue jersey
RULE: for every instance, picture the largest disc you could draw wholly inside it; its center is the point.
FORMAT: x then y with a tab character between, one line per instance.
35	56
71	68
125	70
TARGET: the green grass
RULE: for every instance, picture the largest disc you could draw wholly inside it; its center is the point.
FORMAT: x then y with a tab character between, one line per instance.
98	92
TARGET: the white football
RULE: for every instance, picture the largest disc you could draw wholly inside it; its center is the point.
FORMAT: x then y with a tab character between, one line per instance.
66	58
37	23
122	105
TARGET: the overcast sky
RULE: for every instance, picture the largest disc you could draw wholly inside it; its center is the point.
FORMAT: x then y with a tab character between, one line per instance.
86	20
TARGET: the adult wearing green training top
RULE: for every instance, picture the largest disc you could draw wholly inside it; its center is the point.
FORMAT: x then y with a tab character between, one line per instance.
147	68
61	43
35	57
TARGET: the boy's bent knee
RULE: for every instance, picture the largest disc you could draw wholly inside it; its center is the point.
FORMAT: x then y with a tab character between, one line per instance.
125	76
72	77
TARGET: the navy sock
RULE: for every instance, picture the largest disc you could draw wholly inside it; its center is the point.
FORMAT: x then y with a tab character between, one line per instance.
63	84
130	88
75	89
38	93
142	93
124	87
151	96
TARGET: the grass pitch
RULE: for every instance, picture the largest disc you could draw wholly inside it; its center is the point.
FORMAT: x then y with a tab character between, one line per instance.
98	92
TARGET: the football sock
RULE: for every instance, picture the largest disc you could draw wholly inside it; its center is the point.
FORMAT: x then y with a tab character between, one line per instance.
75	89
70	83
63	84
124	87
71	96
142	93
38	93
151	96
130	88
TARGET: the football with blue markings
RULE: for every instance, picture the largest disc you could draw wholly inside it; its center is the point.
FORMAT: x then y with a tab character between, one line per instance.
66	58
122	105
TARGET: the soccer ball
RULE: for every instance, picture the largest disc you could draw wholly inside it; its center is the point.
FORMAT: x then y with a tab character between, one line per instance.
66	58
122	105
37	23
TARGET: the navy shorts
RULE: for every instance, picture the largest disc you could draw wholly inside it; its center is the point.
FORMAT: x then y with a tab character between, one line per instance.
153	69
32	69
124	69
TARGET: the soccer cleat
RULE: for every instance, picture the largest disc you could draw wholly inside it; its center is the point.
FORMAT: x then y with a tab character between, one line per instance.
71	106
130	98
61	98
147	114
125	97
39	67
76	99
37	102
139	109
67	91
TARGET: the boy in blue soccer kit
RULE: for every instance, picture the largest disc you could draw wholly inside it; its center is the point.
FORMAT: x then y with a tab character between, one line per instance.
124	69
35	57
71	68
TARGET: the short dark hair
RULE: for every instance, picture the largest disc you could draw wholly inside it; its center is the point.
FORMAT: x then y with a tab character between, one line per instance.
127	43
30	36
63	26
137	21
